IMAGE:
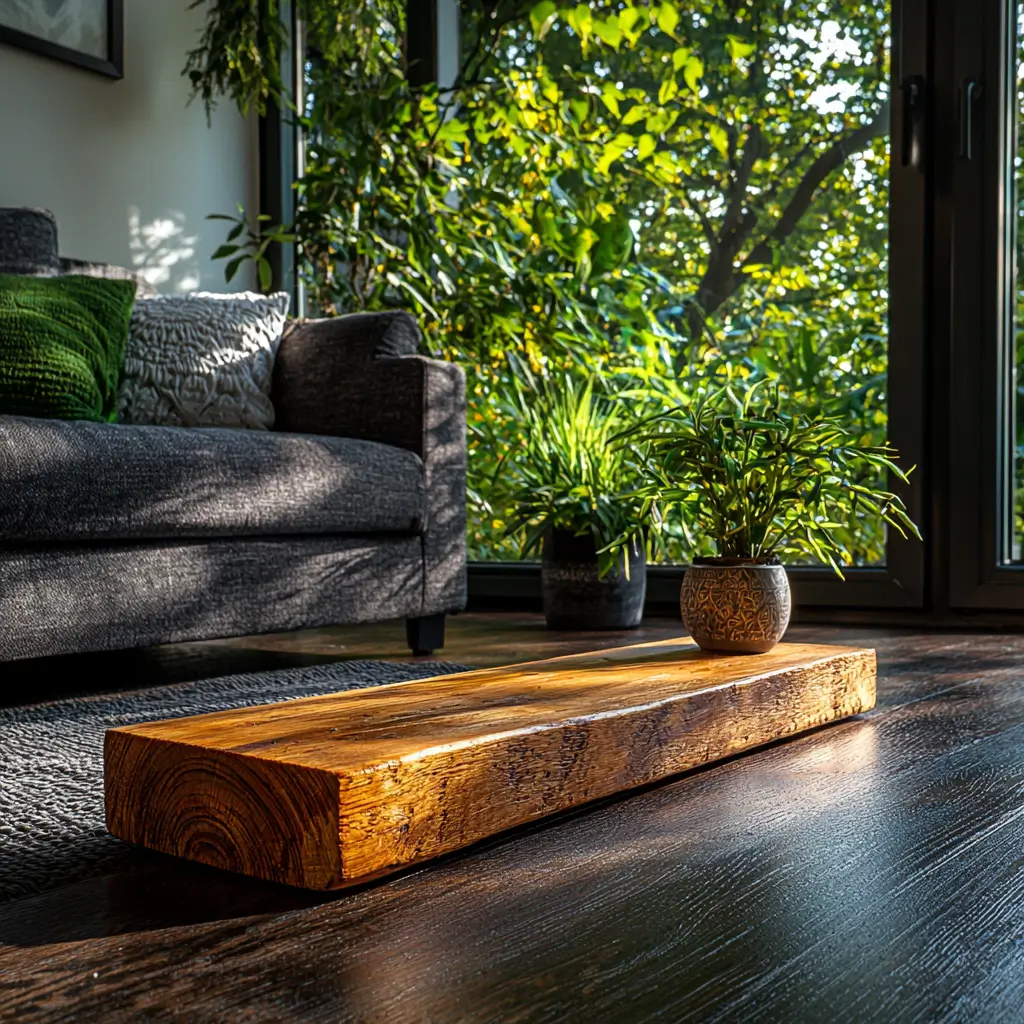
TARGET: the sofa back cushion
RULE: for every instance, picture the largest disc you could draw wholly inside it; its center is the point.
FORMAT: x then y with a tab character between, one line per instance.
62	342
202	360
28	242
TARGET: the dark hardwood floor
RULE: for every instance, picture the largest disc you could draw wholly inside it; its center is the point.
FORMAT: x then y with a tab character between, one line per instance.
870	871
478	640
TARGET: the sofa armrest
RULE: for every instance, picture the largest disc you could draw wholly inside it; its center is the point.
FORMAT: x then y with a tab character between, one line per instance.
355	338
358	376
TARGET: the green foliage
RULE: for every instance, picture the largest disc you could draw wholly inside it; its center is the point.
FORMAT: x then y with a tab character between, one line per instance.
239	54
567	473
764	479
246	244
652	193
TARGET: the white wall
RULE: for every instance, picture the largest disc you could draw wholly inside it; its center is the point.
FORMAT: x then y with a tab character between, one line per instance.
129	170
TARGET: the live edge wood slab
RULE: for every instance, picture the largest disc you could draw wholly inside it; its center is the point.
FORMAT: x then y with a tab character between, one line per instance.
331	791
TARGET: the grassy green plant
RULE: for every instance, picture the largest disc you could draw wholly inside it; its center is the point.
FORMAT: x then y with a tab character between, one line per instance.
763	480
567	473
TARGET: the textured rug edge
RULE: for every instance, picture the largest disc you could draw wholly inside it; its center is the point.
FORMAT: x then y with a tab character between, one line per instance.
52	831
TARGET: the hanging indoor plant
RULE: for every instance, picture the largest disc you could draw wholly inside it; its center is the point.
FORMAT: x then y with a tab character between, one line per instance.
569	491
763	482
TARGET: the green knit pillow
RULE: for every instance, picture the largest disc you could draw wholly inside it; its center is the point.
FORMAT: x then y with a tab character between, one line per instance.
62	343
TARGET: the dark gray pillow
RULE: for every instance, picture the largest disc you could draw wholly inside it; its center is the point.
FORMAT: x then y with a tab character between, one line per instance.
28	242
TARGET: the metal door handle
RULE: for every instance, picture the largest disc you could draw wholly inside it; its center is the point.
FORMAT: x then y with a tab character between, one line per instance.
913	89
970	90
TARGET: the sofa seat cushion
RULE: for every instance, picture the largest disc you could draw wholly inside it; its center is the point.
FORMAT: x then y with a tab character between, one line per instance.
79	481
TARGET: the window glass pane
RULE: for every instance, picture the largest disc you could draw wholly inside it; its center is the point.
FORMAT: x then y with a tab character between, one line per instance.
662	195
689	190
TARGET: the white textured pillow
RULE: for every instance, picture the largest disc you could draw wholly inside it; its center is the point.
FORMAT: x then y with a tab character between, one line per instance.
202	360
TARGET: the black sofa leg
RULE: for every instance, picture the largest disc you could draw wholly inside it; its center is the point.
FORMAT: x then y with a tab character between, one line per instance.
425	635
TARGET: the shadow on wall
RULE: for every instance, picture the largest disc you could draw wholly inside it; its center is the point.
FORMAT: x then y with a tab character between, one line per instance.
163	251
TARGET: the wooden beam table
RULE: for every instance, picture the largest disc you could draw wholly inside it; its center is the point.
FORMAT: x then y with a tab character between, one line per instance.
331	791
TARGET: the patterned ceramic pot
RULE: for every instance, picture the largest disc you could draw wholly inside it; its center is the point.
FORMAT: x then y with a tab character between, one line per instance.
576	596
735	605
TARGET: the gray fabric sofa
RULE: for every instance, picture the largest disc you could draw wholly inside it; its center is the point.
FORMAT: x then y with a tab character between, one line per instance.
351	510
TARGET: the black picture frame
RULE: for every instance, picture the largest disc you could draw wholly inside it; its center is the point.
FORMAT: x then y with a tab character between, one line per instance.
112	66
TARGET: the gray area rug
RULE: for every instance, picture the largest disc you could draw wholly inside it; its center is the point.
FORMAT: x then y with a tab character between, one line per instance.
51	762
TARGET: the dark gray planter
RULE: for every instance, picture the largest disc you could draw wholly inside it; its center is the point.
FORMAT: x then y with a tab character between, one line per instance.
576	597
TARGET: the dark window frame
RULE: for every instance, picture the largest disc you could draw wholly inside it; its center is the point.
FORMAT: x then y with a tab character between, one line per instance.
280	162
981	223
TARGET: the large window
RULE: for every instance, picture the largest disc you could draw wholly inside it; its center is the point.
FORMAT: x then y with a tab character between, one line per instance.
825	195
710	181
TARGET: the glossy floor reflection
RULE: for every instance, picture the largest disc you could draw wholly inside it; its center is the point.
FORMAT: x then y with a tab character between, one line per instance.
870	870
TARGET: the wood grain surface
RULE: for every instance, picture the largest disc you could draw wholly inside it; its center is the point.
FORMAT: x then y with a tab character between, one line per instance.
868	872
332	791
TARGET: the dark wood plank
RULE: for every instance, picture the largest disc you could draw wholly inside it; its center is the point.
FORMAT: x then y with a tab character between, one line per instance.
332	791
870	871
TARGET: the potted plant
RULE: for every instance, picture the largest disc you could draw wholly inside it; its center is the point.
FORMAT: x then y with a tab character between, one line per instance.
571	492
763	481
